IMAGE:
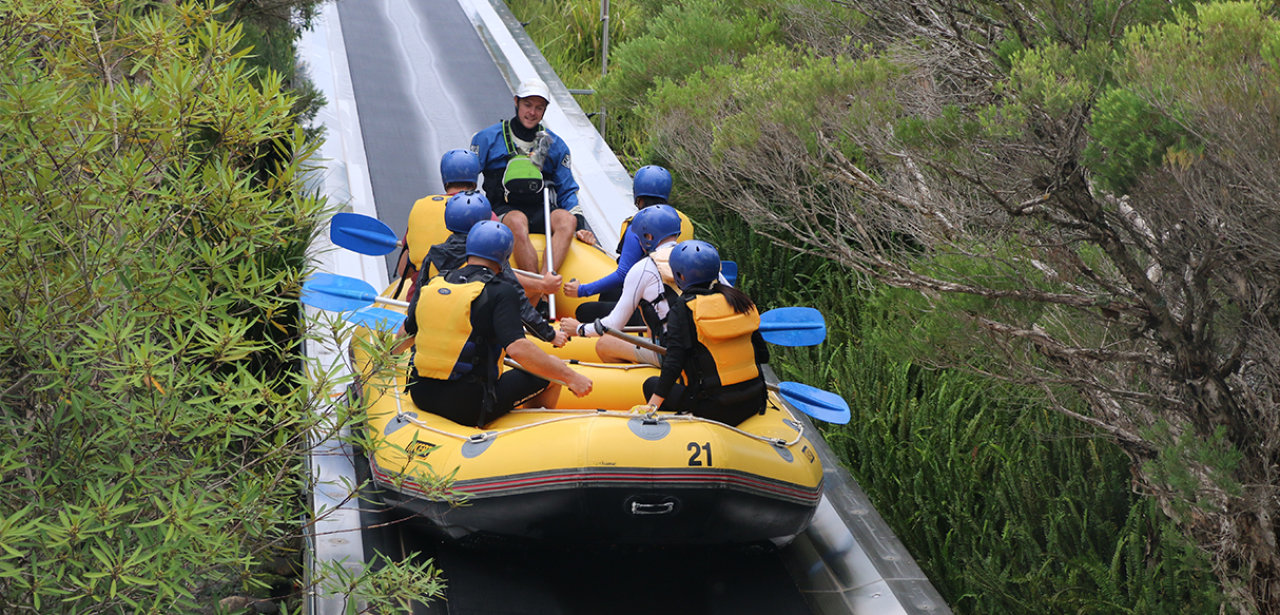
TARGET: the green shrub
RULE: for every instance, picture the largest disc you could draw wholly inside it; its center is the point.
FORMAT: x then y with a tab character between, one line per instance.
154	226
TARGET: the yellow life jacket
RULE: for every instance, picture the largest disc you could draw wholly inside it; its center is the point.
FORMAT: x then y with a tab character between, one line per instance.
662	258
441	346
727	337
426	227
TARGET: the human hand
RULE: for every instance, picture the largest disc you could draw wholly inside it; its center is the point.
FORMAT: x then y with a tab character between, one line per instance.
643	409
579	385
569	325
551	282
571	288
586	237
562	337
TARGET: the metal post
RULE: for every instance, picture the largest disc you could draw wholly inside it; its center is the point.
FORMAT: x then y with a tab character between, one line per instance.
604	55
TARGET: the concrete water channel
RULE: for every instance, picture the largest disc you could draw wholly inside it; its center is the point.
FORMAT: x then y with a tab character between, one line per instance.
406	81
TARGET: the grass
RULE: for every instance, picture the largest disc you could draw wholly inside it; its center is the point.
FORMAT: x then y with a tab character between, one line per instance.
1007	507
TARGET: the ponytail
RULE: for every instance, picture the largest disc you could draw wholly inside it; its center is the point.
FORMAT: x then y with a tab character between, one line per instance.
737	299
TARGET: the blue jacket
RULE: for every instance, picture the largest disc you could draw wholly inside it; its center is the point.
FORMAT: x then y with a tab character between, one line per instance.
494	151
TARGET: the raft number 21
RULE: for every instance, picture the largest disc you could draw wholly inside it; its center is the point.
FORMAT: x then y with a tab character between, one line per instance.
697	451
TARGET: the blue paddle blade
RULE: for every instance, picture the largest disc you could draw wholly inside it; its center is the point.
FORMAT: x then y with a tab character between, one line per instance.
363	234
815	402
729	270
376	318
336	293
793	326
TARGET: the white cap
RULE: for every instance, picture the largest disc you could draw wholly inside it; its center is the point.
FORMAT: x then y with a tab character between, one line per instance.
534	87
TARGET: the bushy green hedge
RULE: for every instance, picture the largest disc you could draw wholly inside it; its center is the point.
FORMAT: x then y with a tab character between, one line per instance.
153	233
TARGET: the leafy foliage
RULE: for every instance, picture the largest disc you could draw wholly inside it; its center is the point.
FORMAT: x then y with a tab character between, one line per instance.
1076	201
154	226
1007	507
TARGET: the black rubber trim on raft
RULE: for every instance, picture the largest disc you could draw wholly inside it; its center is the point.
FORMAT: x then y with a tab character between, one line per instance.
585	478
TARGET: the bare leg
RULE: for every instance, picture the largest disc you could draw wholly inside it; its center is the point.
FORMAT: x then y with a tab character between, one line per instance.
545	399
563	225
526	255
614	350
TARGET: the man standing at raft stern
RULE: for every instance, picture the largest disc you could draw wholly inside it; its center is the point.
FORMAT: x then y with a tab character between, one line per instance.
466	317
519	210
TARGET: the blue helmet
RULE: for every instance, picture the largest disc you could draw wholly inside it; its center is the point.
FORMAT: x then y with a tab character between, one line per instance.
492	240
464	210
459	166
694	262
658	222
652	181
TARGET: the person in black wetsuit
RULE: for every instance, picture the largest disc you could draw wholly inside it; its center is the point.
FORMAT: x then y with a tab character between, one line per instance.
713	338
462	321
461	212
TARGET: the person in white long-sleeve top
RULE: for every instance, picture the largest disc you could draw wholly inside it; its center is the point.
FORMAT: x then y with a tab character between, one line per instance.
658	228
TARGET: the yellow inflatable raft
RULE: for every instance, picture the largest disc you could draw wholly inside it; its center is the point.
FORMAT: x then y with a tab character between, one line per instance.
589	471
586	475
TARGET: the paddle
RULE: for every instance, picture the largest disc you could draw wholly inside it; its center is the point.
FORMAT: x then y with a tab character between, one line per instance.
376	318
815	402
362	234
368	235
338	293
547	254
729	270
789	326
793	326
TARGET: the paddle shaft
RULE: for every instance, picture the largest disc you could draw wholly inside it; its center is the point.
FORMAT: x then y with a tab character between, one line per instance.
358	296
547	255
638	341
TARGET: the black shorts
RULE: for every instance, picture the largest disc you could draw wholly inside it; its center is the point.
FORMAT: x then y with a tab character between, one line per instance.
731	405
461	401
537	221
590	311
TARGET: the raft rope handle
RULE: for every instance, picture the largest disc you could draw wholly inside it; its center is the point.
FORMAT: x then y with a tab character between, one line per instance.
578	414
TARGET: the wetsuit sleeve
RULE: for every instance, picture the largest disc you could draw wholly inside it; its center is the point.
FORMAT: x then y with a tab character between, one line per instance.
482	145
506	314
637	281
566	186
528	314
631	254
679	342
